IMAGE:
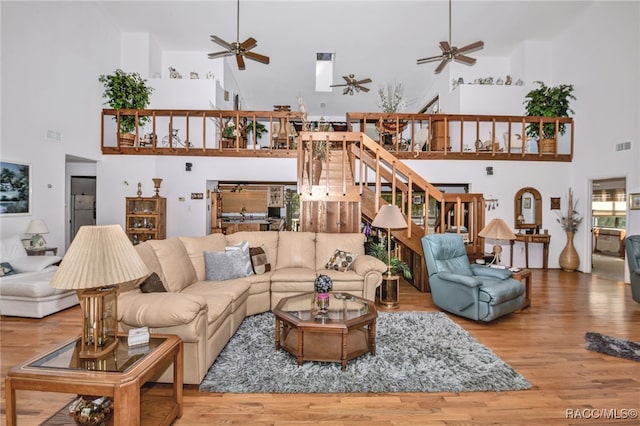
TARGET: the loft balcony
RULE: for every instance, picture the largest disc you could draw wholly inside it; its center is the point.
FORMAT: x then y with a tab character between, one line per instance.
407	136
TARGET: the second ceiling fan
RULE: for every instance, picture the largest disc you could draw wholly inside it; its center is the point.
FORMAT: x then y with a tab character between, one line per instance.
352	84
450	52
240	50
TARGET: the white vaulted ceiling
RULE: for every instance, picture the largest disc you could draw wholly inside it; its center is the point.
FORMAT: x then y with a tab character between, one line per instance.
377	39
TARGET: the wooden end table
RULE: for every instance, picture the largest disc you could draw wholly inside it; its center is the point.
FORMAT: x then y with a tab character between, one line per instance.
345	332
119	375
31	251
524	276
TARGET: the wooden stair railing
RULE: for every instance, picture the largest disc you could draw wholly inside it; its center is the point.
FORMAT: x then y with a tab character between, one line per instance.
358	170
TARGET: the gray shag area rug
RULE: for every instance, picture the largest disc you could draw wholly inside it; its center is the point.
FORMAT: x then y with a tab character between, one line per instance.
415	352
621	348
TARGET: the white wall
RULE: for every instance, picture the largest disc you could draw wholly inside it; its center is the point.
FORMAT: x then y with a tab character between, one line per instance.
603	65
52	55
598	53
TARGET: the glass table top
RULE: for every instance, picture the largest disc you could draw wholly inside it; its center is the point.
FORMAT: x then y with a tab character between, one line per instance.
342	307
119	360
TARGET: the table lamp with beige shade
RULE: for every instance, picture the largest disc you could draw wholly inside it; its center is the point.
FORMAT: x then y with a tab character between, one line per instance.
389	217
497	231
99	259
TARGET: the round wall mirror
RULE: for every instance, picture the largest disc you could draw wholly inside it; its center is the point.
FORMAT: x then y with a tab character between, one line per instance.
527	209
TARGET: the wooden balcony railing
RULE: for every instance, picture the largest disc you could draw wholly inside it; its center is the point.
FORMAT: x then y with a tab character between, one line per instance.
466	137
201	132
407	136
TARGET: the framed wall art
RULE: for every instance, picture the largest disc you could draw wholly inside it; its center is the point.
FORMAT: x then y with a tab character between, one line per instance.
15	188
634	201
555	203
526	203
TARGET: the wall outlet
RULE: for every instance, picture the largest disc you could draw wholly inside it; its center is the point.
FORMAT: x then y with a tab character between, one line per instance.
180	198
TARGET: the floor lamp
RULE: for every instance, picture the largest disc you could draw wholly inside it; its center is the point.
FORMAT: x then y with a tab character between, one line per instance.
497	231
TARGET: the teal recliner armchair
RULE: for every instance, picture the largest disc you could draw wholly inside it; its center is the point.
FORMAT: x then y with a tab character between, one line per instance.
469	290
632	247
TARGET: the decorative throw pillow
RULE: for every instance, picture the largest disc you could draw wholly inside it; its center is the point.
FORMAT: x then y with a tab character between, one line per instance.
341	260
6	269
224	265
245	266
153	284
259	259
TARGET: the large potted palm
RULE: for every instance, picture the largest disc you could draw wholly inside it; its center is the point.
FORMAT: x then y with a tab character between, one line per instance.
547	101
126	91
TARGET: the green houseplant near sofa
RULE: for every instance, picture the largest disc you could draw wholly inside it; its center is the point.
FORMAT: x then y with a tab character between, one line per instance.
548	101
126	91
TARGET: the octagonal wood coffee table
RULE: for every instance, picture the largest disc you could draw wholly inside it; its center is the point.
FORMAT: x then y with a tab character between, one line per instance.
346	331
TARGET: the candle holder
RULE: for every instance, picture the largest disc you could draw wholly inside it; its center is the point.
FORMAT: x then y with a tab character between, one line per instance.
156	185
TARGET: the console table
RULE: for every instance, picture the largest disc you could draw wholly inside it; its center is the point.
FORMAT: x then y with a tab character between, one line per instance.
543	239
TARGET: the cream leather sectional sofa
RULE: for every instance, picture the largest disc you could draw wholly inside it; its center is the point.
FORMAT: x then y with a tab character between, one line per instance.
205	314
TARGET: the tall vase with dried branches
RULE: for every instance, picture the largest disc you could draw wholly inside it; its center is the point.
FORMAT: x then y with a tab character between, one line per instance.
569	259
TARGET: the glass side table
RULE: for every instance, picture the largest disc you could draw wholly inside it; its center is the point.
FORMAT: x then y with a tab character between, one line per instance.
118	375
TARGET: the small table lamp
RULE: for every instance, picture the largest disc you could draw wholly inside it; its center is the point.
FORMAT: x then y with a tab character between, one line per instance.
498	231
389	217
98	260
37	227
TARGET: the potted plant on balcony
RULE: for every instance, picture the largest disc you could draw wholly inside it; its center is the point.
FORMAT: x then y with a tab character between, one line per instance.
126	91
547	101
260	129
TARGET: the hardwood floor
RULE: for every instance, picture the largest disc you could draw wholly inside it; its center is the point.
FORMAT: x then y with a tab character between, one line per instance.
544	343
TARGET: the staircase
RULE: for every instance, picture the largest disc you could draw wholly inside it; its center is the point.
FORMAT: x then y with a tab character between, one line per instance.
354	172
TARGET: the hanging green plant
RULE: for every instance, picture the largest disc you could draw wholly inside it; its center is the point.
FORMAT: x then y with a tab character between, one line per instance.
126	91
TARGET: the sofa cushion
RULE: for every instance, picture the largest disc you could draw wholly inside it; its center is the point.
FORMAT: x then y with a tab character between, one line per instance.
10	248
176	265
226	265
259	259
153	284
297	250
33	263
294	275
196	246
243	248
328	243
341	261
6	269
268	239
148	256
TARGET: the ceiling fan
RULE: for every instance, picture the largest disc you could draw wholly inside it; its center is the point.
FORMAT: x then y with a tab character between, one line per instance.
353	85
240	50
450	52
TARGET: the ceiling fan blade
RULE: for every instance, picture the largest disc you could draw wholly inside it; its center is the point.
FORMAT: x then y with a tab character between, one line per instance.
221	42
429	59
471	47
365	81
338	85
257	57
444	46
441	66
240	61
249	43
219	54
364	89
465	59
347	78
346	91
